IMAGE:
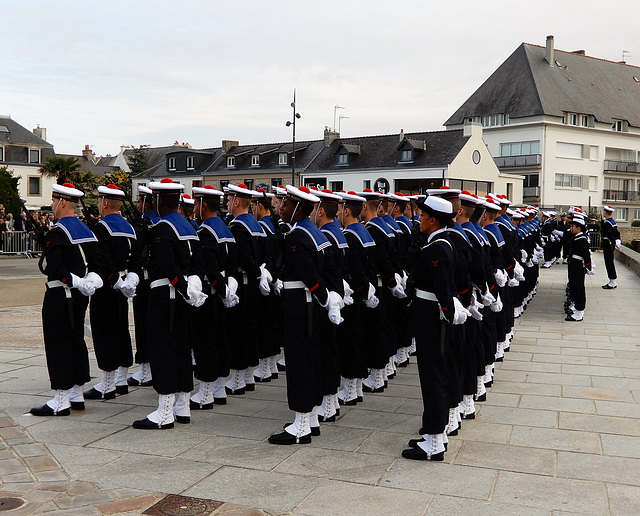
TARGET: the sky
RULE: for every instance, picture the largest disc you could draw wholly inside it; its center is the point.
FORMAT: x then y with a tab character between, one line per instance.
140	72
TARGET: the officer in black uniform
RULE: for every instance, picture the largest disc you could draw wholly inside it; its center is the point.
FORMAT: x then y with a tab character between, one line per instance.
176	282
610	241
579	264
71	262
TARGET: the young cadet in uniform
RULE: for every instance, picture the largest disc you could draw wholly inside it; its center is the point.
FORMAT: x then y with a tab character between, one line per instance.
324	217
71	262
186	209
109	307
283	228
357	267
381	333
610	241
253	278
142	376
304	295
209	325
579	263
434	305
173	270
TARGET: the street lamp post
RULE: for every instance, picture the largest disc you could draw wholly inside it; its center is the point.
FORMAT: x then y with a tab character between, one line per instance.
293	153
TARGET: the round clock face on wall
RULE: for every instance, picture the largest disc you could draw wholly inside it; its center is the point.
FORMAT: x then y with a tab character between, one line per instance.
476	156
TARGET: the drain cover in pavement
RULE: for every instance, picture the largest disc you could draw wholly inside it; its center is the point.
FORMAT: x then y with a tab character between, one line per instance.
176	505
8	504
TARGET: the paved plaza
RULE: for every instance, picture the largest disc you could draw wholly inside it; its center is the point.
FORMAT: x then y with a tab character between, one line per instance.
559	433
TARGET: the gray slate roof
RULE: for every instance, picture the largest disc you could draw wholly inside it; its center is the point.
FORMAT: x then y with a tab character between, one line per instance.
525	85
89	166
18	135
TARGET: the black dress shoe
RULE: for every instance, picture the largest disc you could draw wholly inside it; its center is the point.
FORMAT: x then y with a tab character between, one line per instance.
94	394
122	389
220	401
46	410
183	420
287	438
413	443
77	405
571	319
324	419
315	430
281	367
135	383
403	364
250	387
482	397
274	376
147	424
369	389
420	454
469	416
262	380
337	412
609	287
352	402
201	406
453	433
360	399
237	392
499	359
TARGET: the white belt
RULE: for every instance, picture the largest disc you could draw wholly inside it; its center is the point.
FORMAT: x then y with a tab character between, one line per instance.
379	280
160	283
287	285
427	296
575	256
58	283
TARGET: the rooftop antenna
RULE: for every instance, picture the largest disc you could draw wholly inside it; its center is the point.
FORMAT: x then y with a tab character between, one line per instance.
625	53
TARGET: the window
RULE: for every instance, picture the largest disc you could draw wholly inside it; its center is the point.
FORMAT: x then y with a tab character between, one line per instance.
493	120
276	181
1	153
520	148
531	180
34	156
573	119
569	150
172	163
255	160
620	126
366	183
336	186
622	214
231	162
190	161
636	214
197	183
584	120
593	183
34	186
406	156
568	181
249	183
282	158
342	159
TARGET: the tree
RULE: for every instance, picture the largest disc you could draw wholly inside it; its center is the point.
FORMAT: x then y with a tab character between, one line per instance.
9	194
138	160
67	170
120	178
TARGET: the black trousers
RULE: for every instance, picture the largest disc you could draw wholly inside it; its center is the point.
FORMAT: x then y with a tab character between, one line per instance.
609	260
64	345
379	331
209	339
140	306
351	342
455	358
169	349
577	292
109	312
243	319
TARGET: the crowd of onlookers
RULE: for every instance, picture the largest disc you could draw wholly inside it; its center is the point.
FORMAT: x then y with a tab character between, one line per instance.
9	223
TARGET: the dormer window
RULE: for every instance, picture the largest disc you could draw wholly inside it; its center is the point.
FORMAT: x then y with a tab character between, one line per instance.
190	163
255	160
406	155
342	159
172	163
34	156
620	126
231	162
282	158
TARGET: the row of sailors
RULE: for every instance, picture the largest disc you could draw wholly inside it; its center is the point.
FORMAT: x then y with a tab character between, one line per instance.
349	283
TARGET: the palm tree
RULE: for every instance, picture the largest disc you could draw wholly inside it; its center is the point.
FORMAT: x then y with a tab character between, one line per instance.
64	170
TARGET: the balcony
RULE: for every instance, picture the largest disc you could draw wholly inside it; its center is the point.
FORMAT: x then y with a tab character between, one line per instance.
531	160
619	195
629	167
531	192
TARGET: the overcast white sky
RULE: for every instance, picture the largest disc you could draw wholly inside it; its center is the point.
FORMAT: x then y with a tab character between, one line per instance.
141	72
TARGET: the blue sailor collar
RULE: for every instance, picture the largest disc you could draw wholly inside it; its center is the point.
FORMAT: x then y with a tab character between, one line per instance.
117	225
218	229
480	232
381	223
250	223
77	231
333	229
314	233
468	227
266	223
495	232
403	220
610	221
151	215
181	227
391	222
457	227
361	233
505	221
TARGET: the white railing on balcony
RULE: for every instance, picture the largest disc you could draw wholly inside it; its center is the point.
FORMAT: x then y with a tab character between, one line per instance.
611	165
531	191
532	160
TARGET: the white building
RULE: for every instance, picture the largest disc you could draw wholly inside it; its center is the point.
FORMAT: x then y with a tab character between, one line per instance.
568	122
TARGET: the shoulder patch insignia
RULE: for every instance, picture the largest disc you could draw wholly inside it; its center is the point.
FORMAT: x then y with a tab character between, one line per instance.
434	263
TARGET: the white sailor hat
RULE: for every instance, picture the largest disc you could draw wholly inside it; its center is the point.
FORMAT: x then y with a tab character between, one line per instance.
261	194
240	190
186	199
143	190
553	213
437	206
280	191
608	208
205	191
351	197
490	204
370	195
510	212
469	199
302	194
398	197
166	187
518	214
501	199
446	192
327	195
111	191
578	220
66	191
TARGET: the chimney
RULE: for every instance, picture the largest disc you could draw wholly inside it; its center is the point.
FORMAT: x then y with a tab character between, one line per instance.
330	136
471	129
401	134
548	55
87	153
40	132
227	145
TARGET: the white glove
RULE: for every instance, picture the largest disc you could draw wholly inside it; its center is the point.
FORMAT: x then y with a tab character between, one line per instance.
127	289
93	279
348	300
196	298
513	282
372	300
618	244
264	278
474	309
398	291
590	272
530	263
405	277
461	313
334	302
535	259
230	300
501	278
523	254
558	233
76	281
497	306
277	286
194	284
518	272
488	299
132	279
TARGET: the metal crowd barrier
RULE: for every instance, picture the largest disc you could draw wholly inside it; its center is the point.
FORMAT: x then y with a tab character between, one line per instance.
594	239
20	243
